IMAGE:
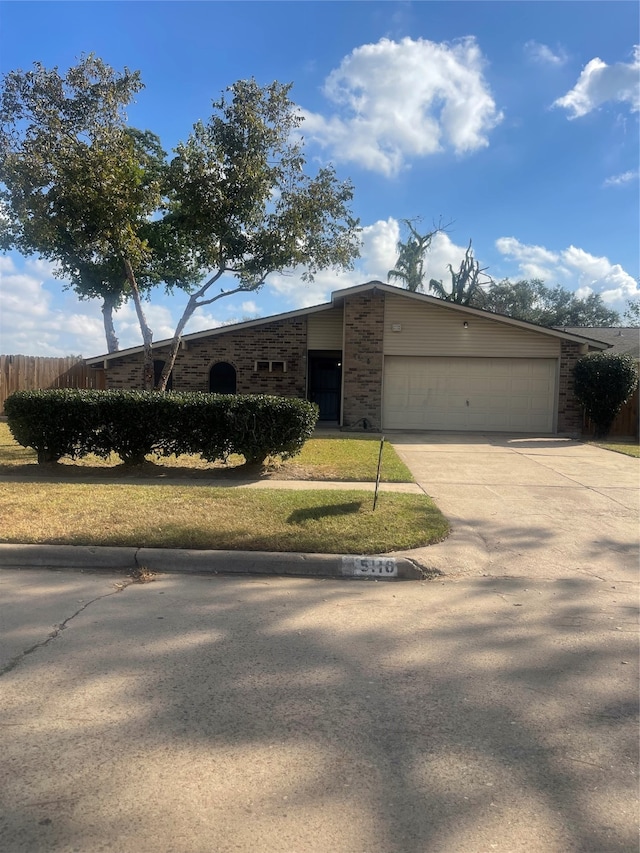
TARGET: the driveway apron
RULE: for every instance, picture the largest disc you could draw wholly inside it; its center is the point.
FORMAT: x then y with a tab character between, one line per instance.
540	507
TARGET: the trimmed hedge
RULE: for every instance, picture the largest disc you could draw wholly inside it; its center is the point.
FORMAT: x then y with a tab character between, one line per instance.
54	423
133	424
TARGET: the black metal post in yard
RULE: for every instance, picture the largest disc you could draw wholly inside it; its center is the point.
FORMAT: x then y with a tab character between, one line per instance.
375	496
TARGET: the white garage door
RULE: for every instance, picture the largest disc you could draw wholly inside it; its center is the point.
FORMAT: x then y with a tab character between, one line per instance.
503	394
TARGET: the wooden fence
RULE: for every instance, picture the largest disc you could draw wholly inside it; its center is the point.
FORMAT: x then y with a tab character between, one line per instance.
626	425
32	373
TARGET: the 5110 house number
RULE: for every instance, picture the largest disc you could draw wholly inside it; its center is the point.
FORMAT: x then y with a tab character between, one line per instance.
378	567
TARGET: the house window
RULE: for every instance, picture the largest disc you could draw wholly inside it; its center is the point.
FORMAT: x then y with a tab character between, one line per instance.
222	378
158	367
270	366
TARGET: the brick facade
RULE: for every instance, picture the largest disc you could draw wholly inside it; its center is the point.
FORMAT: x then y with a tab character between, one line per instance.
283	341
362	359
569	409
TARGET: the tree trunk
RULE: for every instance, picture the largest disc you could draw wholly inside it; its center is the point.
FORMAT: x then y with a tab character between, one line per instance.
192	304
196	300
147	334
108	306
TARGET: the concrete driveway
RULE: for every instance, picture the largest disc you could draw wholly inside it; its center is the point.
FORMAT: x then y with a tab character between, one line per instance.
527	506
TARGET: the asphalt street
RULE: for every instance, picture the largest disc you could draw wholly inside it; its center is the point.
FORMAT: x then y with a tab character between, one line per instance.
492	709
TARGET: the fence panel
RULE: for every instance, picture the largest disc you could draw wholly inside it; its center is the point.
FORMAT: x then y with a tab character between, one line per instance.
35	373
627	423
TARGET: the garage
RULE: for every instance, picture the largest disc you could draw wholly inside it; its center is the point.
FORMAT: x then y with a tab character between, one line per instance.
457	393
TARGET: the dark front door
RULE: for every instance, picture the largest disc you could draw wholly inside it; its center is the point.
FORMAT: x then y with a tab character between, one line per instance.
325	382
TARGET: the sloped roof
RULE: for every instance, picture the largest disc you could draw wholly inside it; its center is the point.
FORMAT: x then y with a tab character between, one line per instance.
338	297
623	340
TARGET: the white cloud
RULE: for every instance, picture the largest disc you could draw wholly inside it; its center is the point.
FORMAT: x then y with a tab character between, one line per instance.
533	261
542	54
30	322
574	269
159	319
398	100
624	178
599	83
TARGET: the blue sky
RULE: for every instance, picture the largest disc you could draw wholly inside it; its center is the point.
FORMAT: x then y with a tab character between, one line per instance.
515	121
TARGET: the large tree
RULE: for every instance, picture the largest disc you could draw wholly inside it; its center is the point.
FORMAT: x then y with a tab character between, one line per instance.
99	199
535	302
77	184
241	206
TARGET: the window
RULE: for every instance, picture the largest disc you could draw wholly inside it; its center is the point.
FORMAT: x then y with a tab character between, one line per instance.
269	366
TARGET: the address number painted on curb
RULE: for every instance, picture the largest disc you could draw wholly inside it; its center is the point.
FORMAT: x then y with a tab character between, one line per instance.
385	567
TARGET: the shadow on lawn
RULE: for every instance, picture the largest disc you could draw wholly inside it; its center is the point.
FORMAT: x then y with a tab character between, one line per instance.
299	516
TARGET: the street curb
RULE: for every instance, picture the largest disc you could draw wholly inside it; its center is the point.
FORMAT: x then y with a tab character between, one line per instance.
170	561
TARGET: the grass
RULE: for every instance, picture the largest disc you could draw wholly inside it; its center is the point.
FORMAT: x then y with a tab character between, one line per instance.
322	458
203	517
626	447
55	505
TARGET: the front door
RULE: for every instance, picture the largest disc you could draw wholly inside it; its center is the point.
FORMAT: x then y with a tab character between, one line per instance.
325	383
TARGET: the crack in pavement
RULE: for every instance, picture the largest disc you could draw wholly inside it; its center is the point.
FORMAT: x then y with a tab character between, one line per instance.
60	628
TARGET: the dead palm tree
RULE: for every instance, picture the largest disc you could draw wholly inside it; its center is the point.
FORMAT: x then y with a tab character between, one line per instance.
409	268
466	283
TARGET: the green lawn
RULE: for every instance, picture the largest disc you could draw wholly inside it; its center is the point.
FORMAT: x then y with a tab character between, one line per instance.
56	504
628	448
201	517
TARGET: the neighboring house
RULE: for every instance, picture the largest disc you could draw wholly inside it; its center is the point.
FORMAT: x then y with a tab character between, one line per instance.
622	340
379	357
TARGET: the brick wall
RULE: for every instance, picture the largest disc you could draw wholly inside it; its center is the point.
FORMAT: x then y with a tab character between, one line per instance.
362	359
283	340
569	409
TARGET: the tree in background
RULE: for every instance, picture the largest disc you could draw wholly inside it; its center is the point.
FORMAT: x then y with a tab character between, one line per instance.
632	313
533	301
97	198
409	268
603	384
466	283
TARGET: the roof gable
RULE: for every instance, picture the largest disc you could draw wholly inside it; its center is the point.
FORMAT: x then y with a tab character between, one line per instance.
337	299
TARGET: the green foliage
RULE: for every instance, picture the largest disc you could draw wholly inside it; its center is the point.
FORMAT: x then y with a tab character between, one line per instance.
99	199
129	423
133	424
54	423
79	187
632	313
534	302
603	384
77	182
264	426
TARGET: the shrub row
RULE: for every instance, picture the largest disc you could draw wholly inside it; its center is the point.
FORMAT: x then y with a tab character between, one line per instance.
133	424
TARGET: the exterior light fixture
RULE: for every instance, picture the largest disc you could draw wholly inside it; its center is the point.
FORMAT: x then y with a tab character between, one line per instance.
466	324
